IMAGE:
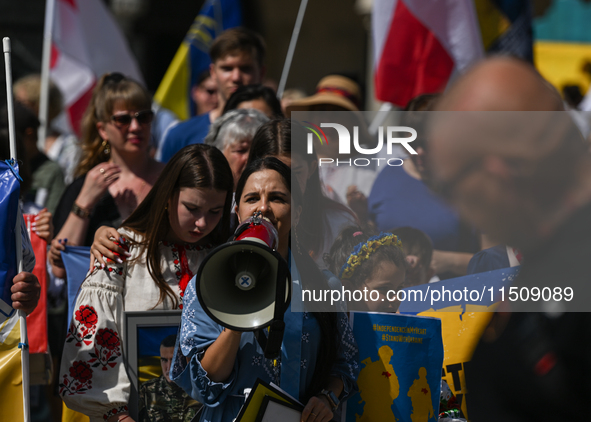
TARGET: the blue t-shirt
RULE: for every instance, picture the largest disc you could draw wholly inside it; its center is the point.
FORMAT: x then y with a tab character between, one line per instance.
489	259
192	131
398	200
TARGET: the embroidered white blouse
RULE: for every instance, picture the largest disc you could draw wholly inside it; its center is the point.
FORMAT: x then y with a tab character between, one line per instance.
93	377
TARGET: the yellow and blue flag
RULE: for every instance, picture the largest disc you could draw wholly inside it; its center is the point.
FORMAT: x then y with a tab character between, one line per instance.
11	380
192	57
506	27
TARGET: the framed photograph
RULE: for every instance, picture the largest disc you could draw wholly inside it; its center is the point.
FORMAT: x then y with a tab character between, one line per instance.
146	331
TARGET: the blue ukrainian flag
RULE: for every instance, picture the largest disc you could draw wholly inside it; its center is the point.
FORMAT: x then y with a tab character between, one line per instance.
11	399
192	57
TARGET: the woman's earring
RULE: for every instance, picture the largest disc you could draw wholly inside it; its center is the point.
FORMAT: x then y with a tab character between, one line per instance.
106	147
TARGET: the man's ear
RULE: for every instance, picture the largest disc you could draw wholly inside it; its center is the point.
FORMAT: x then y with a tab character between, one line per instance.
419	159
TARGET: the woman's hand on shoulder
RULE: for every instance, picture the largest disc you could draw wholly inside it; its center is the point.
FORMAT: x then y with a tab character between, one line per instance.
107	241
317	410
96	183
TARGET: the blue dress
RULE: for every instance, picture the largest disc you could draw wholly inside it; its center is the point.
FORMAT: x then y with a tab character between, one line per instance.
301	342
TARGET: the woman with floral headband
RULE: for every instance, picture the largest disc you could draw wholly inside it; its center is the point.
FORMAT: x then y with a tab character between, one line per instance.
370	265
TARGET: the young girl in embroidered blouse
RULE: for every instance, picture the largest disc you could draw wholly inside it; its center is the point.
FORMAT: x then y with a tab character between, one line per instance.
167	236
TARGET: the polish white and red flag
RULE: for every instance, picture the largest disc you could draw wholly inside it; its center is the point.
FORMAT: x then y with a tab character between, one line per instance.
420	44
86	43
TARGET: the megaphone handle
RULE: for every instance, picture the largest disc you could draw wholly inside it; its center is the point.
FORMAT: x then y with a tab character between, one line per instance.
280	292
272	344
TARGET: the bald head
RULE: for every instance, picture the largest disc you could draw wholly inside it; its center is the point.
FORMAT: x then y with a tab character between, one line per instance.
502	84
507	169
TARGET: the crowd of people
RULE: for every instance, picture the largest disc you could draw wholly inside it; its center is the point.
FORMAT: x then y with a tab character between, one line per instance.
151	205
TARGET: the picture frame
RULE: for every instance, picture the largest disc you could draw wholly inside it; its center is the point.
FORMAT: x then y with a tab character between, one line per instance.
144	332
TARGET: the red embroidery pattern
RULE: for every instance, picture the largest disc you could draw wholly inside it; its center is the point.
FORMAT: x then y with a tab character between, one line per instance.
117	270
83	327
182	271
79	381
107	349
114	411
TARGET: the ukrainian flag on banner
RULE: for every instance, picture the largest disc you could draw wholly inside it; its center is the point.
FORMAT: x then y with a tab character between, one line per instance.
506	27
192	57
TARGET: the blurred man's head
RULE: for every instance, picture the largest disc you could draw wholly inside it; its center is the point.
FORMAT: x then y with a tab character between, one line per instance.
166	354
507	172
237	57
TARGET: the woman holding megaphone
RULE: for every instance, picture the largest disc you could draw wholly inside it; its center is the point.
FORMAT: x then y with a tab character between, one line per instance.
166	237
317	364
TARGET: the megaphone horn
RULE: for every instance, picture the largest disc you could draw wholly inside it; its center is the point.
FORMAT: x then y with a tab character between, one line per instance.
245	284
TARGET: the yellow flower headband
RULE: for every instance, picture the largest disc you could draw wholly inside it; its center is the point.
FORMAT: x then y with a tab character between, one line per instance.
363	251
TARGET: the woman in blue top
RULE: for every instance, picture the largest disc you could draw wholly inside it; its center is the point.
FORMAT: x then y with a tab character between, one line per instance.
318	362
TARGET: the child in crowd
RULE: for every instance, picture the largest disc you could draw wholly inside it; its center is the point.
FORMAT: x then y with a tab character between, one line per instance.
185	214
370	267
418	249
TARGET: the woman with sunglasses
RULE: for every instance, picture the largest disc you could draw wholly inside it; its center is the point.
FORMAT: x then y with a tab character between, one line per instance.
115	172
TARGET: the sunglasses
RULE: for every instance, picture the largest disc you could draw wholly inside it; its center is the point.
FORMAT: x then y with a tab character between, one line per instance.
143	117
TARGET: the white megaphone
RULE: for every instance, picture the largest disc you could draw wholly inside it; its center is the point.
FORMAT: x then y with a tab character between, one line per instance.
245	284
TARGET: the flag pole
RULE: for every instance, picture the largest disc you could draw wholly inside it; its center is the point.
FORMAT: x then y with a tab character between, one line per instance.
44	90
291	49
24	345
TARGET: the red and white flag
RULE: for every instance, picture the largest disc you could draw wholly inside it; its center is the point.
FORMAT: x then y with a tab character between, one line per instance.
86	43
420	44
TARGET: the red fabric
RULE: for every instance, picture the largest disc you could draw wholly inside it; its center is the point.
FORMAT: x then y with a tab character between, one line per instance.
413	61
71	3
187	274
37	320
76	110
55	54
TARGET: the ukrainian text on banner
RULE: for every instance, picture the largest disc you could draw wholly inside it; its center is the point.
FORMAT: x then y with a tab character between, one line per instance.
192	57
400	359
